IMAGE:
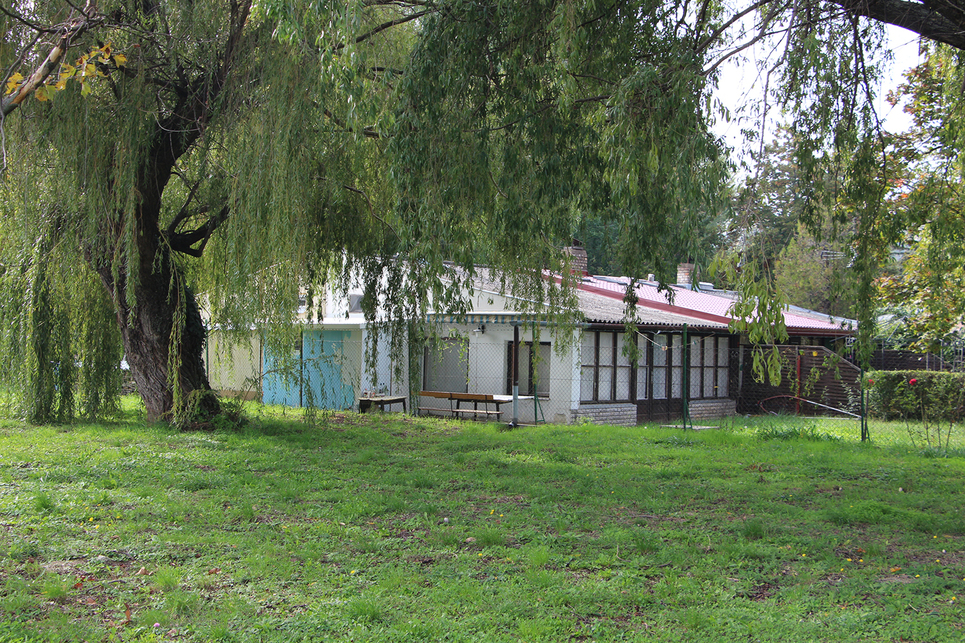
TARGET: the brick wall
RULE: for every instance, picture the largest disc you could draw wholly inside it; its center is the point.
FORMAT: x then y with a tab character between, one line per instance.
723	407
616	414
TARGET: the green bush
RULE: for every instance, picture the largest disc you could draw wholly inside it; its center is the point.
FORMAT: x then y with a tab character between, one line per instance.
916	395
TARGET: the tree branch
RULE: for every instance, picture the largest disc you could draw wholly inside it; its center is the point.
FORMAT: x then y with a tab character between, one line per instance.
938	21
184	213
368	132
386	25
372	213
183	242
71	30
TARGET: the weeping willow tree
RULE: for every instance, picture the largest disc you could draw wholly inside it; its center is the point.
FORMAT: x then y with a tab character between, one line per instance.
169	148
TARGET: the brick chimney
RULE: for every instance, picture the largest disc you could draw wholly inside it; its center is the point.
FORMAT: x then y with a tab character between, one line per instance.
685	272
578	257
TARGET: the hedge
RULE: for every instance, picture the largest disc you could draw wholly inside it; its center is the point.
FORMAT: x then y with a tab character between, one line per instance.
916	395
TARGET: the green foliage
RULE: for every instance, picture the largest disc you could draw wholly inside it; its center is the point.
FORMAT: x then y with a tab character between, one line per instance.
59	346
550	118
252	150
15	632
913	395
793	431
930	402
926	205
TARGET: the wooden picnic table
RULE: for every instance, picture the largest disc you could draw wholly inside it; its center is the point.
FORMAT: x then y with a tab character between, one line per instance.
456	401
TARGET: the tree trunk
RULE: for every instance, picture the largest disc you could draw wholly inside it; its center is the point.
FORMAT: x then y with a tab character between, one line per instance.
164	331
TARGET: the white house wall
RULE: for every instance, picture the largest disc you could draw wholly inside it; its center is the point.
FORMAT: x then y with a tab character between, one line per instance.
234	368
488	362
384	378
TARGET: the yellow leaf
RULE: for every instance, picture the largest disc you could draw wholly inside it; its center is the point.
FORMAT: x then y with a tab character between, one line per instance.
120	60
41	94
90	69
60	84
13	82
66	71
85	89
106	50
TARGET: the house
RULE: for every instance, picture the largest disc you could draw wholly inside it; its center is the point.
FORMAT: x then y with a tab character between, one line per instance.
687	361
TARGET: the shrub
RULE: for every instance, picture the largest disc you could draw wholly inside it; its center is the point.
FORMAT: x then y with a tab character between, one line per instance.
916	395
925	400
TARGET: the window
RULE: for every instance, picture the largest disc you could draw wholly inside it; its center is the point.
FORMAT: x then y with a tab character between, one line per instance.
606	370
709	366
677	368
723	366
643	368
534	369
663	362
660	361
446	366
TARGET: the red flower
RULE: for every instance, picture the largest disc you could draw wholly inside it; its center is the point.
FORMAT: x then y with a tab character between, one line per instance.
912	381
870	382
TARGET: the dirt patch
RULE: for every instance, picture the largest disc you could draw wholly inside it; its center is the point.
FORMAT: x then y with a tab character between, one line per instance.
761	592
897	578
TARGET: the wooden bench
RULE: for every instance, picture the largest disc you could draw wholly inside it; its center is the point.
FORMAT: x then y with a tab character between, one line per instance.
455	404
443	395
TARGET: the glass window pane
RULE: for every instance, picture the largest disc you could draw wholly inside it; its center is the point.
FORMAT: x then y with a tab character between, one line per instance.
622	359
643	342
709	345
606	349
676	349
588	348
447	366
723	352
623	382
606	380
642	392
542	371
694	383
660	383
695	347
676	383
722	382
524	384
586	384
659	350
709	388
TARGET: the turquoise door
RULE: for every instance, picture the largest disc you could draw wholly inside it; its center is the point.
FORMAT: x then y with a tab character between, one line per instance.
282	381
311	375
323	358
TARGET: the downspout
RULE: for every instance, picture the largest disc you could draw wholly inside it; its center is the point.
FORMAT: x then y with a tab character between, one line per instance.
515	375
685	384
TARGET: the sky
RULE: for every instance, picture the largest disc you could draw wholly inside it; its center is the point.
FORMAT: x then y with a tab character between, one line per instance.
740	85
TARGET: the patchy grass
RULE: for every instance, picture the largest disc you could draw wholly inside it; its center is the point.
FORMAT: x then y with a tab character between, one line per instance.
392	528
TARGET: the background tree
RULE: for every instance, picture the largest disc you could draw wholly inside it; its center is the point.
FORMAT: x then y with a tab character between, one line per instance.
767	209
927	294
815	273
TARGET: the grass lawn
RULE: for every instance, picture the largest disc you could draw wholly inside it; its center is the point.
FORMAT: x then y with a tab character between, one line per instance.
393	528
